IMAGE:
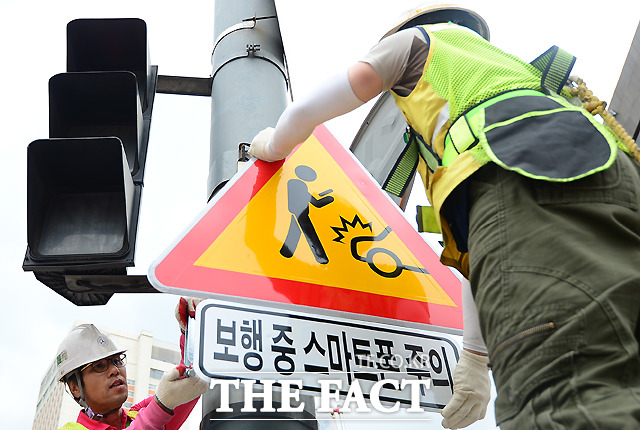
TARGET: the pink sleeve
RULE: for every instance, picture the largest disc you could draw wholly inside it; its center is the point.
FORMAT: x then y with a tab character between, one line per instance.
150	416
141	405
180	414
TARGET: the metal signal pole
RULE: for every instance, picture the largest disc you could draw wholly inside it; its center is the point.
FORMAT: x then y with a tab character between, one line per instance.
249	89
250	81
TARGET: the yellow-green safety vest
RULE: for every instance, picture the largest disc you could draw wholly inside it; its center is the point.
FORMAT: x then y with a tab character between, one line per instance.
501	109
78	426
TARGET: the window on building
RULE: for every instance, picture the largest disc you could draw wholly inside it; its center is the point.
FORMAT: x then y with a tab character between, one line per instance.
156	374
165	355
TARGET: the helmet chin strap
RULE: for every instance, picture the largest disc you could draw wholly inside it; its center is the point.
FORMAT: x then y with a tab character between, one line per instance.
97	417
83	403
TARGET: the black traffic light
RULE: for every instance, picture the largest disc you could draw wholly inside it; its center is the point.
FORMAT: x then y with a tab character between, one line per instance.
97	104
112	45
84	183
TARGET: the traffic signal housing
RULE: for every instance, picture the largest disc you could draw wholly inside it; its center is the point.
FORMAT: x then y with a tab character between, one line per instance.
84	183
80	202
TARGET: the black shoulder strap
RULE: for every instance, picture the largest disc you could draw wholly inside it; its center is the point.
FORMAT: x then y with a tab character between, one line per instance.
555	65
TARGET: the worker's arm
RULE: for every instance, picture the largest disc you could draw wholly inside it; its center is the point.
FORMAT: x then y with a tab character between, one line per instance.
365	81
336	96
471	385
471	335
150	416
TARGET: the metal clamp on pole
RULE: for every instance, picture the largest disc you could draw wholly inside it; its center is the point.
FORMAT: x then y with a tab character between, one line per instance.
243	151
243	154
246	24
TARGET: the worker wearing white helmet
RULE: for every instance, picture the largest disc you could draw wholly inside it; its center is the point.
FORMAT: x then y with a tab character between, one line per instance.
538	206
93	368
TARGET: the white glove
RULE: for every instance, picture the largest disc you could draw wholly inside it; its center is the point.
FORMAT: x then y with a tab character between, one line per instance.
471	392
260	145
185	309
173	391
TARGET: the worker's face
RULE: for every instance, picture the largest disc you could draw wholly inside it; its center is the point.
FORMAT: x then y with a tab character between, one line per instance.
106	390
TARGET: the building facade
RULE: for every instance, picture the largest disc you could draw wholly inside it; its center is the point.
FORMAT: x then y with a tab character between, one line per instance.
625	103
147	360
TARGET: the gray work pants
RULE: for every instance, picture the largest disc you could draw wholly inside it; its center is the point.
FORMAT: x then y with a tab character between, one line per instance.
555	270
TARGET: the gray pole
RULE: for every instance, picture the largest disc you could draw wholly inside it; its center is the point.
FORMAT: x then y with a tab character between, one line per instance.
248	93
250	81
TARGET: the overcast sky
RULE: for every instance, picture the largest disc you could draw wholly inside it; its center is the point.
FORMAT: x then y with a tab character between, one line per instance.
320	39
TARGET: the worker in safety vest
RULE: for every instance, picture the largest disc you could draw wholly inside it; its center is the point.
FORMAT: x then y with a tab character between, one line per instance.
539	206
93	368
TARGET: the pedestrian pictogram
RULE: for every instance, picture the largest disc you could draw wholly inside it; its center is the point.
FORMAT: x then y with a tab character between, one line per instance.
299	199
314	230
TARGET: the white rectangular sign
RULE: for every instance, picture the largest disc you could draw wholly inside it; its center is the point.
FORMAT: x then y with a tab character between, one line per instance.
254	342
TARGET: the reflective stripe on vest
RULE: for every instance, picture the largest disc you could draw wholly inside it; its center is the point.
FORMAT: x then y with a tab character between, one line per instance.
538	136
461	136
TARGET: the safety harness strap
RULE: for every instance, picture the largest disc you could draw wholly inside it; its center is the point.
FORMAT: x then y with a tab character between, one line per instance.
555	65
406	165
403	169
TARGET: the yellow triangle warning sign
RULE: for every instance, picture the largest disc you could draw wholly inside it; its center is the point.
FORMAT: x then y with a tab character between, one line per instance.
334	237
315	230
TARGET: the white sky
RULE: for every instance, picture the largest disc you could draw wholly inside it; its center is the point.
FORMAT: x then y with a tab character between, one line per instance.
320	39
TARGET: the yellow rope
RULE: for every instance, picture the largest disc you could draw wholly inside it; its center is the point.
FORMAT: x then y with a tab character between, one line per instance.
596	106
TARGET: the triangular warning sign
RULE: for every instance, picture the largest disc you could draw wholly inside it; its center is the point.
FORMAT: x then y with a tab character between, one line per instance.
315	230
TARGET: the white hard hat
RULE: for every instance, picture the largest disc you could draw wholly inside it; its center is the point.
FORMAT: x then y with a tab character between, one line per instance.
85	344
441	13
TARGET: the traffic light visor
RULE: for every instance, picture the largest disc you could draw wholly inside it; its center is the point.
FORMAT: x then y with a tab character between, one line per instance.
110	44
97	104
80	196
